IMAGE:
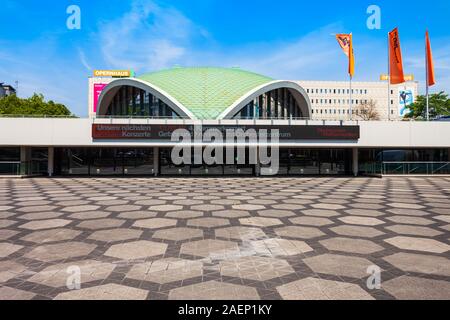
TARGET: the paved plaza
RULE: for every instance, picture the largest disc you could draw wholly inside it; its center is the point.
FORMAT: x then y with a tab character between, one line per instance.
225	238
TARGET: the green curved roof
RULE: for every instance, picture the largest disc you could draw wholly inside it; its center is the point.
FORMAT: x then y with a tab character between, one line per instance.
206	92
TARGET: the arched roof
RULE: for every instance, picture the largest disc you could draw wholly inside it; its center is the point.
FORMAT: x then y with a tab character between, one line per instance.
205	92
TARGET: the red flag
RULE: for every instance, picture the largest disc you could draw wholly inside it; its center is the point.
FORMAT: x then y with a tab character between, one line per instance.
395	58
431	80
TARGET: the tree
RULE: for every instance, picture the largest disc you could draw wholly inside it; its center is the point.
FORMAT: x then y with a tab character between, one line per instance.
439	106
367	111
35	105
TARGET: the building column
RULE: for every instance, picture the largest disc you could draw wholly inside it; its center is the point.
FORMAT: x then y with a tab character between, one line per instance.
258	164
355	162
51	161
25	158
156	161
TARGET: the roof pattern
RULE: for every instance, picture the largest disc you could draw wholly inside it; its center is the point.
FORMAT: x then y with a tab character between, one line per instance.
206	91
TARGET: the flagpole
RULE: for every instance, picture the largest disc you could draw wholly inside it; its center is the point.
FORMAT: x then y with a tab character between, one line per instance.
350	56
427	84
351	102
389	79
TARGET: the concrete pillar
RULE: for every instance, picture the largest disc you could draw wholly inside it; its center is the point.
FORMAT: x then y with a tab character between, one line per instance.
258	164
51	161
355	162
25	158
156	161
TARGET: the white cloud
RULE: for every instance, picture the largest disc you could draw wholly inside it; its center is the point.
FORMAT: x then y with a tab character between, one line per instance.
148	37
83	59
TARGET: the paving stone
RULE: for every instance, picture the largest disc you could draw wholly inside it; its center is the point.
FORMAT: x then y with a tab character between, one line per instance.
411	220
101	224
110	291
231	214
60	251
339	265
321	289
80	208
299	232
240	233
279	247
357	231
420	263
114	235
255	268
363	221
311	221
7	293
213	290
418	244
184	214
260	222
210	248
155	223
178	234
45	224
9	270
351	245
276	213
90	215
413	288
208	222
166	270
414	230
57	275
7	249
52	235
320	213
136	250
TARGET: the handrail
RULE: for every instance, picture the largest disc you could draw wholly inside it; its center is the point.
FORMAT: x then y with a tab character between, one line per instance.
171	118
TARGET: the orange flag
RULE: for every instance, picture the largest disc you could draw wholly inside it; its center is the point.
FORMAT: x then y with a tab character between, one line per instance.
431	81
346	43
395	58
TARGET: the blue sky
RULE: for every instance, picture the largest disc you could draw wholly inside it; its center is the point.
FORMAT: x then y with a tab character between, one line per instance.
285	39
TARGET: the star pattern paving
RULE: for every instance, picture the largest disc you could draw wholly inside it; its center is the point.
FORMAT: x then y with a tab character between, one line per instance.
225	238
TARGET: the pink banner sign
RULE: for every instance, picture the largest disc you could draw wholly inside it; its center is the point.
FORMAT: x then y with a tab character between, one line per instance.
98	88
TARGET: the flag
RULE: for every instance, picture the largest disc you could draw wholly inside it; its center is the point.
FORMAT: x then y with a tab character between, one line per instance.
431	81
395	58
346	43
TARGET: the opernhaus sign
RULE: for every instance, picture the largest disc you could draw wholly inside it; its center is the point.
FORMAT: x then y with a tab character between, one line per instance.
165	132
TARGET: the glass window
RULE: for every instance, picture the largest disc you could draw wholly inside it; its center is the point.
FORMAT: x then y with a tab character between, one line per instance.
9	154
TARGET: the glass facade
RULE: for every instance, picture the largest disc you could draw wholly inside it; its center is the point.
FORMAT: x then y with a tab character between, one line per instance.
315	161
9	161
404	161
104	161
167	167
130	101
276	104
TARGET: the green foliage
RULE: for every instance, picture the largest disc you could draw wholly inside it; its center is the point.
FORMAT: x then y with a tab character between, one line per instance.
439	105
35	105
